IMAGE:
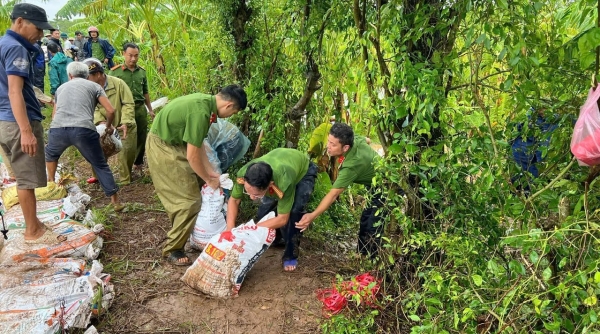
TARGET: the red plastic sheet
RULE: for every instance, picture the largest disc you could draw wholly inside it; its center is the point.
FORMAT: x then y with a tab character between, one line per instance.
335	299
585	144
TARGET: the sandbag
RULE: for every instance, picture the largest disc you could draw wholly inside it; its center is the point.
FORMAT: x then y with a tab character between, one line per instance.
221	268
81	243
159	103
74	205
50	192
47	212
47	295
211	218
111	144
585	143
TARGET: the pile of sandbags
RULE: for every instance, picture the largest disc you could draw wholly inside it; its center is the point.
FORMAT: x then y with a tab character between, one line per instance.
47	296
47	288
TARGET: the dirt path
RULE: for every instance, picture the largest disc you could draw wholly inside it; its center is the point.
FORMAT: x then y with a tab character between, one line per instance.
151	298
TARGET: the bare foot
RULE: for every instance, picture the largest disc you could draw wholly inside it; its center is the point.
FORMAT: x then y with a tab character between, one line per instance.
45	235
290	265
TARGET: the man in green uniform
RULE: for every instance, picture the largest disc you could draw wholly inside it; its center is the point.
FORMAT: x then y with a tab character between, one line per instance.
356	160
120	98
283	177
135	77
317	149
176	158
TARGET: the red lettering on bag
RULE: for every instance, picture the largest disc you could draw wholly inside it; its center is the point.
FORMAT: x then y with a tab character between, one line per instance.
240	247
271	235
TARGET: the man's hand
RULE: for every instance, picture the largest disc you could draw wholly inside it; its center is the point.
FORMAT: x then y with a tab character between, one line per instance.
110	129
28	142
151	112
226	235
303	224
214	183
124	129
106	60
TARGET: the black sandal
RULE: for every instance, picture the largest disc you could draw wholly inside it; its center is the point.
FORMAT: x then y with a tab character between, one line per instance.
177	255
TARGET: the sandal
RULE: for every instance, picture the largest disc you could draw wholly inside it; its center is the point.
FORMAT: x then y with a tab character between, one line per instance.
175	257
290	263
117	207
48	238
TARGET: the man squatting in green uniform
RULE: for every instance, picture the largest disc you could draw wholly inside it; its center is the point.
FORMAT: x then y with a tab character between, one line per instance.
283	177
135	77
356	161
176	158
120	98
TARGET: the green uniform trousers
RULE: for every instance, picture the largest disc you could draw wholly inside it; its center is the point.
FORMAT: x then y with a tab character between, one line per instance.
127	154
141	120
177	187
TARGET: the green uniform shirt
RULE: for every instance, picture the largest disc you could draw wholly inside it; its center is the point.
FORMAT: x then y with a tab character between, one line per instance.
97	51
120	98
186	119
136	80
289	167
358	165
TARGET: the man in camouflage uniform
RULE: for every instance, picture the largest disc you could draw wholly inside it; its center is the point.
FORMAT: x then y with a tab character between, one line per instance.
135	77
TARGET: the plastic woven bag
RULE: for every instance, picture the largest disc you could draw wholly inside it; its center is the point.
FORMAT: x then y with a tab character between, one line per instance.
585	144
221	268
111	144
211	218
225	144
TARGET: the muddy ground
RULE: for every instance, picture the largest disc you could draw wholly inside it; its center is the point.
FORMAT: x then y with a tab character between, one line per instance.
151	298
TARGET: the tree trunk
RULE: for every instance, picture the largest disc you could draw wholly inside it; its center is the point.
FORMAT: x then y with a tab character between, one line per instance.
243	42
158	58
292	133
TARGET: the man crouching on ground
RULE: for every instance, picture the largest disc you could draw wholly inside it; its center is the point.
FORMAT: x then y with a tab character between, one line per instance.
282	179
73	124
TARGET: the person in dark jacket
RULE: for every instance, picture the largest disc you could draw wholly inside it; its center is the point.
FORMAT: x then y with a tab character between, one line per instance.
54	39
57	68
79	41
99	48
39	67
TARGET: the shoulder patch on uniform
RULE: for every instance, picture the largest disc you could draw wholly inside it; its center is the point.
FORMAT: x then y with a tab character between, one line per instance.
274	189
115	67
240	180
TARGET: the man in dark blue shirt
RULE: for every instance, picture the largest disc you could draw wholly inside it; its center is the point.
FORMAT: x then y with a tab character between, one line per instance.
21	132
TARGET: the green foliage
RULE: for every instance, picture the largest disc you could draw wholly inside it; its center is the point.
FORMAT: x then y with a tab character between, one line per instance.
359	324
336	223
443	86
